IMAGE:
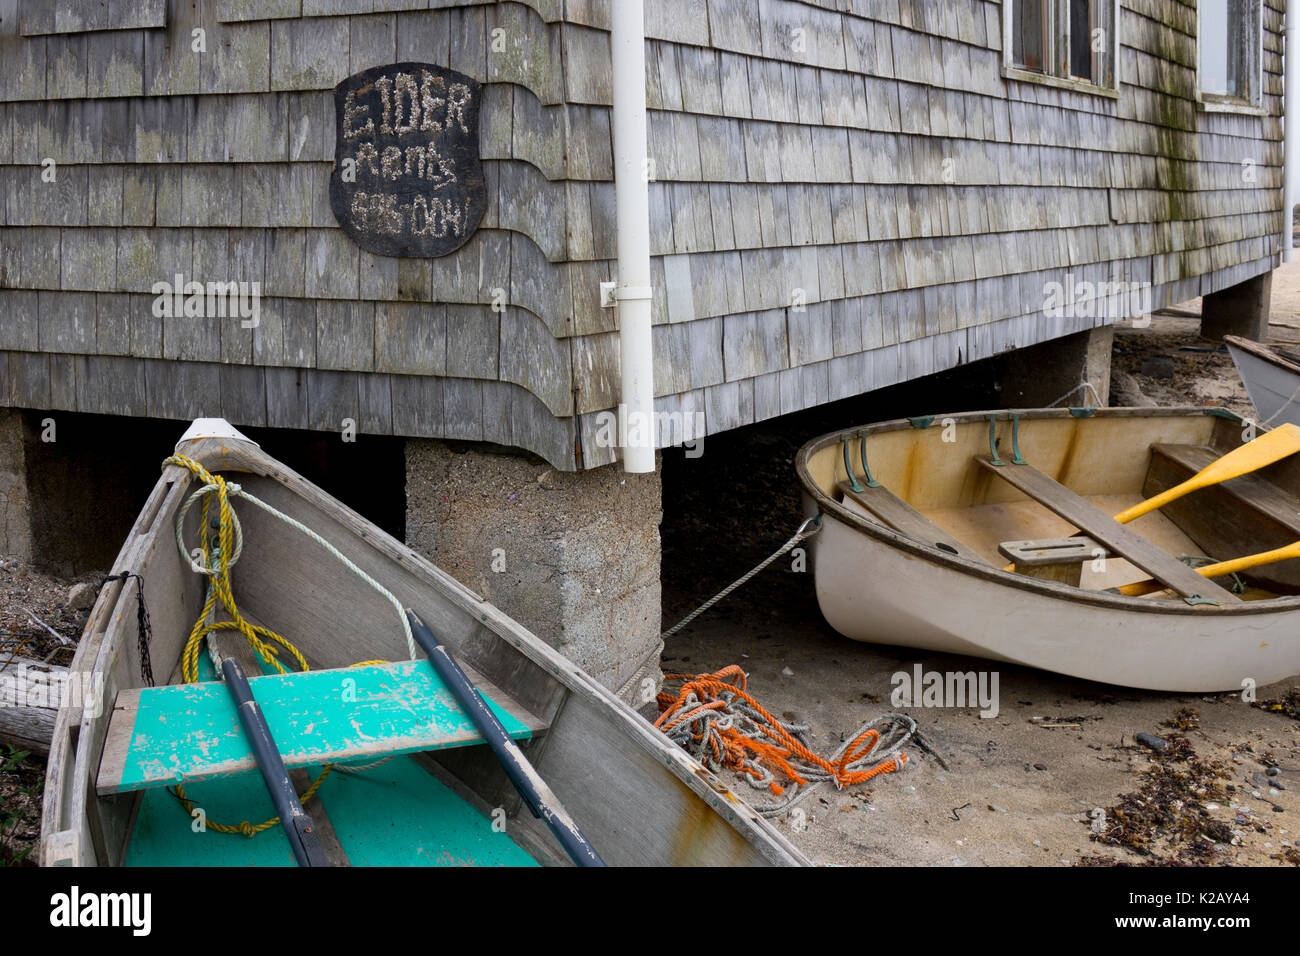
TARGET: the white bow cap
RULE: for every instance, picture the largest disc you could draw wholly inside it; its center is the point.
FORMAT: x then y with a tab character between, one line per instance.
212	428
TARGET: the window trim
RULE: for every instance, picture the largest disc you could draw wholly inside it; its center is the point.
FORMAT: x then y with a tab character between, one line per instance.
1219	103
1060	49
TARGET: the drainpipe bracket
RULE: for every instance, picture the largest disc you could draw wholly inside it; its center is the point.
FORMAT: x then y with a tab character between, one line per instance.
611	293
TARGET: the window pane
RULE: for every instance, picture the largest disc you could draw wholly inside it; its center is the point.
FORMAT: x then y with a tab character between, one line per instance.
1243	44
1081	27
1027	29
1215	39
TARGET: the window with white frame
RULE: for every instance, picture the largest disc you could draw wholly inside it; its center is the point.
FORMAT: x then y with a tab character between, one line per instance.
1228	37
1068	39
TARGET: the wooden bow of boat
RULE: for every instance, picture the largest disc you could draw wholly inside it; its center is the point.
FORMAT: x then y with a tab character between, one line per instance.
950	498
637	798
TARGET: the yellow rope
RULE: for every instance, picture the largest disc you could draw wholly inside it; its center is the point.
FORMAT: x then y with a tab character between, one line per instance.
220	588
248	829
256	636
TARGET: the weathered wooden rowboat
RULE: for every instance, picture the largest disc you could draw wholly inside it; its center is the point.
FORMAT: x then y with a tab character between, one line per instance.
1271	374
440	797
917	554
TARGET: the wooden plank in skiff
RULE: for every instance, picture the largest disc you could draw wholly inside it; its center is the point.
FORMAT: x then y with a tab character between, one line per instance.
186	732
1052	559
1107	531
903	518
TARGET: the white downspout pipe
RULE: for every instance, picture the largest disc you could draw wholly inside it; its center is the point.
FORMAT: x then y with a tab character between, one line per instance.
1291	122
632	196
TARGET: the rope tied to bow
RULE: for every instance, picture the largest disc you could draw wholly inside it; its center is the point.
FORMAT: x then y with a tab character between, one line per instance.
213	558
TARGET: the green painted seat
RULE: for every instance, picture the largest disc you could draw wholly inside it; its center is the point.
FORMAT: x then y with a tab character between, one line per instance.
180	733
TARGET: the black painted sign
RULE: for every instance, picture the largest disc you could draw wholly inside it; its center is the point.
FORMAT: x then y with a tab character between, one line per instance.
407	177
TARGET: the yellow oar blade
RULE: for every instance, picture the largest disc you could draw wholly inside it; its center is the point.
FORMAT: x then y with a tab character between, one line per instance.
1287	553
1265	450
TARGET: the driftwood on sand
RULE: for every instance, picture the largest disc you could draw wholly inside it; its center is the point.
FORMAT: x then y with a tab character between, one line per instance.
30	695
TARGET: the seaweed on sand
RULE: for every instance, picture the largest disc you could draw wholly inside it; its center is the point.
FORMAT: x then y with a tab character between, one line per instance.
1166	821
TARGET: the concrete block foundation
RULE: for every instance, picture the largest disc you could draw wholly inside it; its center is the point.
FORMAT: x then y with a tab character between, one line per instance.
1042	374
574	557
1242	309
15	502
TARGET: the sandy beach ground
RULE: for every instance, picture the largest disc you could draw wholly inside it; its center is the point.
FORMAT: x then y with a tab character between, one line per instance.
1284	321
1014	791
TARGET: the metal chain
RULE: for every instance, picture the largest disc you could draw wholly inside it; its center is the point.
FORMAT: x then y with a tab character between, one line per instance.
815	522
144	628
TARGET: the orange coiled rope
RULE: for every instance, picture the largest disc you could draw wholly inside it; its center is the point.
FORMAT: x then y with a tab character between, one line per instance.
714	718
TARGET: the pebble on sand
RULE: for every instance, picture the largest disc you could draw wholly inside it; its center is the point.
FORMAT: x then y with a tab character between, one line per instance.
81	596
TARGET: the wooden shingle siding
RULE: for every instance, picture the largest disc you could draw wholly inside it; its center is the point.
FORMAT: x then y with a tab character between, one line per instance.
41	17
844	196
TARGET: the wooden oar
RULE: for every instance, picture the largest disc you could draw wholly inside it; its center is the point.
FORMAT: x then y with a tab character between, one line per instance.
1292	550
535	791
1270	447
1265	450
295	821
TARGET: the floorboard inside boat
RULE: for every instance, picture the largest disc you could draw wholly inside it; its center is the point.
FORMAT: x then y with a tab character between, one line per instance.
394	815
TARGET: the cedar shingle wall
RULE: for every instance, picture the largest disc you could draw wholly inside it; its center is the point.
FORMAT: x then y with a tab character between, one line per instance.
887	176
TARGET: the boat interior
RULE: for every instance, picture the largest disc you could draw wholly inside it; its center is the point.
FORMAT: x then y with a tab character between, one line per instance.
155	737
433	793
1036	492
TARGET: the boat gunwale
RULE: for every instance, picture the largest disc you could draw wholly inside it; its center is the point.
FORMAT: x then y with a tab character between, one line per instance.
69	754
889	537
1263	352
243	455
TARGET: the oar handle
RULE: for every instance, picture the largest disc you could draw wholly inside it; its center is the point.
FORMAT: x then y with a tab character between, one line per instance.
298	828
539	797
1249	561
1140	588
1158	501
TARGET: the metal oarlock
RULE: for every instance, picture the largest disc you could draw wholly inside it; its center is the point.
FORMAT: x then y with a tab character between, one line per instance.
862	454
1016	458
993	441
848	467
